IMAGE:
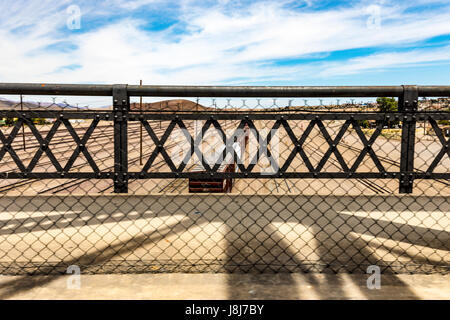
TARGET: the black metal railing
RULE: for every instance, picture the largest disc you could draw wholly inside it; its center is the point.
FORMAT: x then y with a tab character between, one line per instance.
121	116
302	189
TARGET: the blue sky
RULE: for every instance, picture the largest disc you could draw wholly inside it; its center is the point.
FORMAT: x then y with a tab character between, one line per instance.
230	42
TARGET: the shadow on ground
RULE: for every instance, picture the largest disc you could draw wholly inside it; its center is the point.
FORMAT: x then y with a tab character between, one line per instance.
285	241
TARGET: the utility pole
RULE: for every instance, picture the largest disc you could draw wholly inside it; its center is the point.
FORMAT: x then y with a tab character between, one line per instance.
160	112
140	140
23	125
195	121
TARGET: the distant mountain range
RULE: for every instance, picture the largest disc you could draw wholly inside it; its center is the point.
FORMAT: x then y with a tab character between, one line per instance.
166	105
6	104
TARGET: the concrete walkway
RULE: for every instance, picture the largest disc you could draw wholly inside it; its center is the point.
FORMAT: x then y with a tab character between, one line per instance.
225	286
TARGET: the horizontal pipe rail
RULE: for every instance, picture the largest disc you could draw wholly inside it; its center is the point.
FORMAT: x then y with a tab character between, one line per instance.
109	116
219	91
222	175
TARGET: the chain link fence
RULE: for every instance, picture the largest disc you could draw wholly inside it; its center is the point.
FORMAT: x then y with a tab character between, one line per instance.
242	184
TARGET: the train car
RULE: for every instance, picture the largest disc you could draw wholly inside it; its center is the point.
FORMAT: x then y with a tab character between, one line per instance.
220	185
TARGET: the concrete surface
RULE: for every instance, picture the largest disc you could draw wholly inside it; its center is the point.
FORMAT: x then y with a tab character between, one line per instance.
285	232
226	286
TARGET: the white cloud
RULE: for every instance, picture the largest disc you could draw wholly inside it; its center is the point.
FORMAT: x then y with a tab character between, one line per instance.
135	4
386	60
219	45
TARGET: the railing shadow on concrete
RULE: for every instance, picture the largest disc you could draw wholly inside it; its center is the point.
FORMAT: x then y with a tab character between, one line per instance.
243	252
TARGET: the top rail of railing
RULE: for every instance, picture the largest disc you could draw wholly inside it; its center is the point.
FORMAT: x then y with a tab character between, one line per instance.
219	91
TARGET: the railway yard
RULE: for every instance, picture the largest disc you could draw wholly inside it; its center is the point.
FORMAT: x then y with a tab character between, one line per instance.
100	147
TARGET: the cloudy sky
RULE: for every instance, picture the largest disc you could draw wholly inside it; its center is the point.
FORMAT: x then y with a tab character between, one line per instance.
234	42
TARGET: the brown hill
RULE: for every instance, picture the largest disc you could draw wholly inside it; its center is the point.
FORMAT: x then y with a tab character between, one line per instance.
170	105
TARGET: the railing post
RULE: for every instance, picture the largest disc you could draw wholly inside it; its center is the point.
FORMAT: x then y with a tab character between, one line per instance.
407	105
121	105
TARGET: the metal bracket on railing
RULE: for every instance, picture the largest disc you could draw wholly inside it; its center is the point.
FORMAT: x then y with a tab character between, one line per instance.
407	104
121	106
